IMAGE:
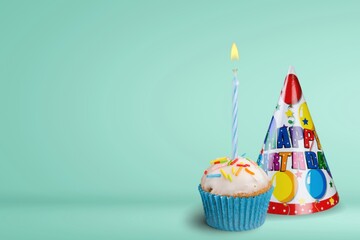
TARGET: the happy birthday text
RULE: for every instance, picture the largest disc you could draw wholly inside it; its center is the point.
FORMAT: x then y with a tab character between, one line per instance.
293	137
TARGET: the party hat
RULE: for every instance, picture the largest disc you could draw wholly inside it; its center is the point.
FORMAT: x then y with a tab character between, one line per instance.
294	159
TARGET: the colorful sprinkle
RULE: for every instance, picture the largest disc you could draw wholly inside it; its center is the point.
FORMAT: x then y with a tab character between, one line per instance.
223	173
213	175
234	161
250	172
243	155
233	170
205	172
229	177
219	160
243	165
238	171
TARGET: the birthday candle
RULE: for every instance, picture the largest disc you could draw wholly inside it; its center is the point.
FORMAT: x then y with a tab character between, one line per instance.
234	56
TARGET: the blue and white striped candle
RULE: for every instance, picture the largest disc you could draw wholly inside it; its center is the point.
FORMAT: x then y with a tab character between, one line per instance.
235	56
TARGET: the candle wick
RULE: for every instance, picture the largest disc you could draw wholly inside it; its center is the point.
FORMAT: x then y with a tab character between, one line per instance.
236	81
235	70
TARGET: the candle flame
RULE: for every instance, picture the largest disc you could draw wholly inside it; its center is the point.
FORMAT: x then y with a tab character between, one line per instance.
234	52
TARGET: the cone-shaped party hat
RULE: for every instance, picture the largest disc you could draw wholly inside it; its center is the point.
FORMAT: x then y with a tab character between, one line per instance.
293	157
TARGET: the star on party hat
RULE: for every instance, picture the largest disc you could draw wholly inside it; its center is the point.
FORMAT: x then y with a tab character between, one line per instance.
294	159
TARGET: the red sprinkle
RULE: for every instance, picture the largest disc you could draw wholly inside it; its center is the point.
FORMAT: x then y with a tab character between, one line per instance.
243	165
216	162
205	172
235	160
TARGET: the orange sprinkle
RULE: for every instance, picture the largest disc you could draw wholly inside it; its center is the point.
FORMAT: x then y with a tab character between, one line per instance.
233	170
238	171
250	172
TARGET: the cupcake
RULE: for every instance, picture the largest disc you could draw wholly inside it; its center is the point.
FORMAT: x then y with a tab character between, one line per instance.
235	194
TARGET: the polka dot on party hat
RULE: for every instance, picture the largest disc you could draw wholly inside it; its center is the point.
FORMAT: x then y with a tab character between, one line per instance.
293	157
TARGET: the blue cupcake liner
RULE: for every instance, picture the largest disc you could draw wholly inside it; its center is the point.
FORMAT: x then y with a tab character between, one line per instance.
235	213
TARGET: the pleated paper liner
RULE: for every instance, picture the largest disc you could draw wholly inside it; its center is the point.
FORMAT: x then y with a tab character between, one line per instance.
235	213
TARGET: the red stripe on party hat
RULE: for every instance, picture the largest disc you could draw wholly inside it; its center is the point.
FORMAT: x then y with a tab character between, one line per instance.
305	208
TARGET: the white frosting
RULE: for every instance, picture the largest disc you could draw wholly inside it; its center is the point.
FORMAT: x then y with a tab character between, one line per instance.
244	183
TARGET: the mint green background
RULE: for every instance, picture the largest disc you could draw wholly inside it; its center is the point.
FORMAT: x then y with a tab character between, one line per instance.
111	110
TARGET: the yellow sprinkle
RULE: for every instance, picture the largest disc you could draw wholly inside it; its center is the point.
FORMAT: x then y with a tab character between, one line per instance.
233	170
250	172
229	177
223	173
238	171
221	160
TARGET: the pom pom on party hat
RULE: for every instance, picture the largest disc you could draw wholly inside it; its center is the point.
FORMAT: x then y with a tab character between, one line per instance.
294	159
